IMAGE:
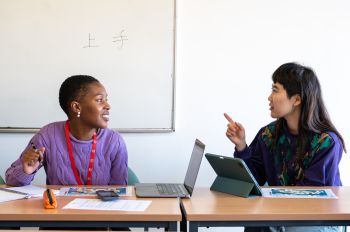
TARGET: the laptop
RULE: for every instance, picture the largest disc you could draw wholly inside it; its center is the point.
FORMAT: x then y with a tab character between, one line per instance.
176	190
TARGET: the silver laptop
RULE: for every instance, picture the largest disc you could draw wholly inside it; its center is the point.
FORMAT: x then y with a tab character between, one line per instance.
176	190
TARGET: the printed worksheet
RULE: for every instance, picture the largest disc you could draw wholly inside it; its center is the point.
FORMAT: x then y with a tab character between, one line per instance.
297	193
91	191
97	204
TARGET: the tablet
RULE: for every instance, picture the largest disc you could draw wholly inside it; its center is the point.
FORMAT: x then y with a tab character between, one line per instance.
233	176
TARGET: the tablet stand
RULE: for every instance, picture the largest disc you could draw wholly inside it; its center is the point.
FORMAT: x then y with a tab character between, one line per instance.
232	186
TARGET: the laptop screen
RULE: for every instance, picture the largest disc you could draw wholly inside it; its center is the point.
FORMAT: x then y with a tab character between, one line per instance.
193	167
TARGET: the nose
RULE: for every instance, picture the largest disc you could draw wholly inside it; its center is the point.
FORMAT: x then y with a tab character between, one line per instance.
270	97
107	106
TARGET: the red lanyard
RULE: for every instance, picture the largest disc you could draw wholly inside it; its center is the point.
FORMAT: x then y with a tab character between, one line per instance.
71	157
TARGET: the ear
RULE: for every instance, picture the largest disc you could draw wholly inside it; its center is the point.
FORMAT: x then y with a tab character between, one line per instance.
297	100
75	107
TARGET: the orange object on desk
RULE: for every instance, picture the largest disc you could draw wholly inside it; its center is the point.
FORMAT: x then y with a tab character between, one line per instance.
49	200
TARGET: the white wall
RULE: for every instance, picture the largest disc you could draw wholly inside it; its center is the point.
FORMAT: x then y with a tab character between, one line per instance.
226	53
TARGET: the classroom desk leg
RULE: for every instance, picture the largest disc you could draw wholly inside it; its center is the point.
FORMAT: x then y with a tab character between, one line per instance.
193	226
172	226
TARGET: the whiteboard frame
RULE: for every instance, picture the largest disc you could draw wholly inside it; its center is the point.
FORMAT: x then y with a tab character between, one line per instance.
126	130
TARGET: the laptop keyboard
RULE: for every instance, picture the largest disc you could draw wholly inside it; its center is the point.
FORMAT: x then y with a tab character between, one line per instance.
170	189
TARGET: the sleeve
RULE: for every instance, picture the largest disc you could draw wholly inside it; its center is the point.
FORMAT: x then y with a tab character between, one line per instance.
324	167
15	176
252	156
119	169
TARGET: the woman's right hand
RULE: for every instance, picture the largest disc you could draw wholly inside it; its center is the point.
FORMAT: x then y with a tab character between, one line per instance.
32	159
235	133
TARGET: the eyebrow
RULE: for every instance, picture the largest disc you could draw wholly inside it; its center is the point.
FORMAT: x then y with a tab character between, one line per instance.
102	94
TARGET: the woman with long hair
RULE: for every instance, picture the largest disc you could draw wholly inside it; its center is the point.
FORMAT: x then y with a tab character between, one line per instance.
301	147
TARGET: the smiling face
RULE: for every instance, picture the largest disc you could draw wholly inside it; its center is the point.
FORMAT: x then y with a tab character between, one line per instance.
281	106
94	107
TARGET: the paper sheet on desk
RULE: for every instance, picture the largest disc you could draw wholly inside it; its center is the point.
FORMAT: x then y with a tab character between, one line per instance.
11	196
297	193
32	190
97	204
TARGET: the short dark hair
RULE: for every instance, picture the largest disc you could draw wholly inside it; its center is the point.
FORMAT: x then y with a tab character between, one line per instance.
72	88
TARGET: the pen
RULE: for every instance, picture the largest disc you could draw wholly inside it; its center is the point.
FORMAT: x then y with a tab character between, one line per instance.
14	191
36	150
34	147
49	196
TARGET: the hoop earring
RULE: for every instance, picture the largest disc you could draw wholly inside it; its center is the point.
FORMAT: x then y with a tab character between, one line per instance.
78	114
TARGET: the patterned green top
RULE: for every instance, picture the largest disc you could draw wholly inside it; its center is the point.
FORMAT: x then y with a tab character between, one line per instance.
278	165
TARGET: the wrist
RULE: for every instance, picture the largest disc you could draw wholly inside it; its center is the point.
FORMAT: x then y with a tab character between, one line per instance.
241	147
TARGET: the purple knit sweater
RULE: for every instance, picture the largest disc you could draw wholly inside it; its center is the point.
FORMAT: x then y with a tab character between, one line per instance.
110	165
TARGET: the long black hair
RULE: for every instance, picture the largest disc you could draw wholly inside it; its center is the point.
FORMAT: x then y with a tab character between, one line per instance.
72	88
300	80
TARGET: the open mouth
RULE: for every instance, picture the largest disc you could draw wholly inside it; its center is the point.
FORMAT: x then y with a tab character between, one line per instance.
105	117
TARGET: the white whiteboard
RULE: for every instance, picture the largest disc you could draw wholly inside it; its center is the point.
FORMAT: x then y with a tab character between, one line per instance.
128	45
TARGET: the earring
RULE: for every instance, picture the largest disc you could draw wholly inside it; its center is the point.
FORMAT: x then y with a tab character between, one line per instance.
78	115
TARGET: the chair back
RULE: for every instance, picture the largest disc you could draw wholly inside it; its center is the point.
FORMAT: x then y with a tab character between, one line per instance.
2	180
132	178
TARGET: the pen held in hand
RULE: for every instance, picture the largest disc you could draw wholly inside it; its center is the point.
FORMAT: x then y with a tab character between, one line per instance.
36	151
34	147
